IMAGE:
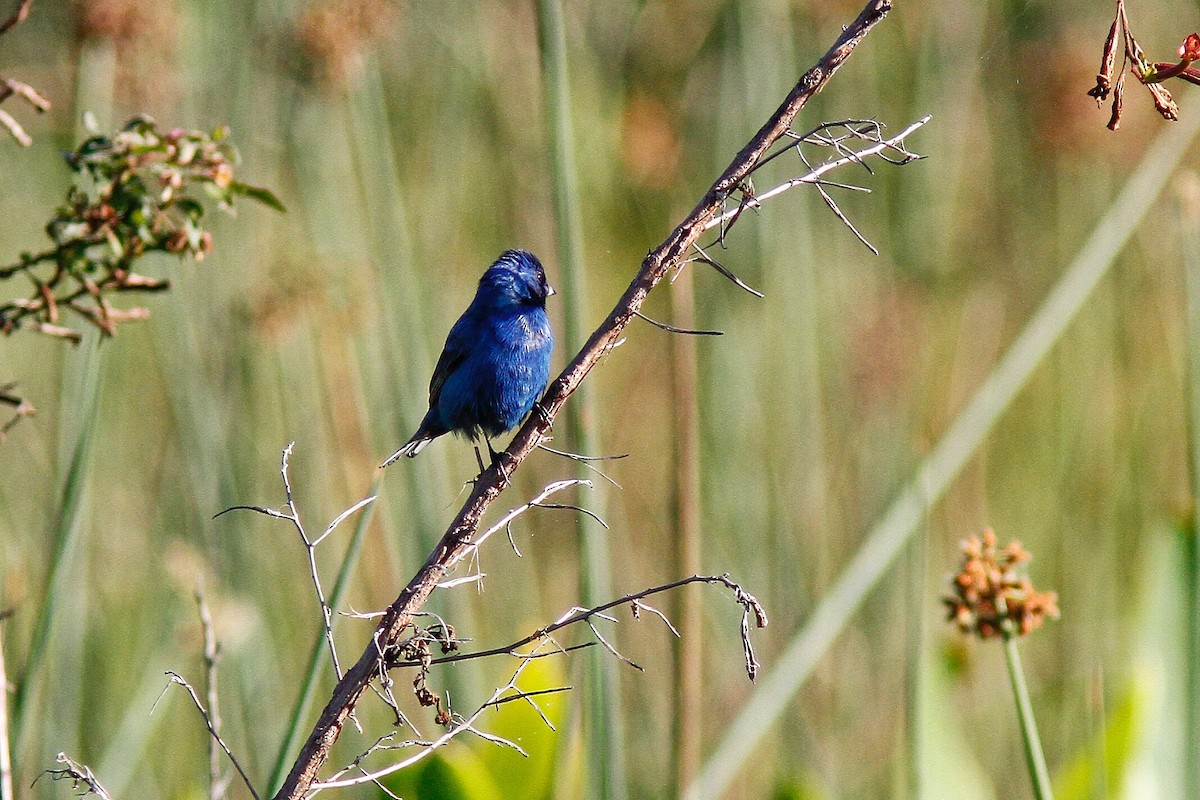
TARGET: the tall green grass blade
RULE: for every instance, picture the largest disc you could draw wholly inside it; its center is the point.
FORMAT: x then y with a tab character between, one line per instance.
935	474
127	747
318	657
79	398
603	729
688	705
1191	699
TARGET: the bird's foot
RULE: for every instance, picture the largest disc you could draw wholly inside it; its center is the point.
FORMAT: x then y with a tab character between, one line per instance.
498	463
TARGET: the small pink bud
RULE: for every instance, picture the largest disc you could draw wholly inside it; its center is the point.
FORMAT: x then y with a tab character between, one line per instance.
1190	49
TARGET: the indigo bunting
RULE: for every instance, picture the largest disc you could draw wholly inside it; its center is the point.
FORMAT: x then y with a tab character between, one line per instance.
496	360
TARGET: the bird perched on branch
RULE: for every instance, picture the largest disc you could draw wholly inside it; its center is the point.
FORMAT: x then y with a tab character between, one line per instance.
496	361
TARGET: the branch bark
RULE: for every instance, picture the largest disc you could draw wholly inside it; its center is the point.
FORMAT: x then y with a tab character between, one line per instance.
456	542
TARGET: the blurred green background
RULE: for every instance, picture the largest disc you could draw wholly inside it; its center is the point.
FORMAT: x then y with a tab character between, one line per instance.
410	143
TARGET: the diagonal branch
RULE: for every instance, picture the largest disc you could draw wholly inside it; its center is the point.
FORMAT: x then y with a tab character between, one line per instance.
456	543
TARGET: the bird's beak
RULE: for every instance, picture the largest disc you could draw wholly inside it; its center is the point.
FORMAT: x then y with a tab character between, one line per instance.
550	290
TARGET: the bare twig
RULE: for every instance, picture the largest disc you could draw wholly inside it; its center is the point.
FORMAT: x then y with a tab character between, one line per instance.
458	541
22	408
579	457
587	461
537	501
9	87
750	608
292	515
541	639
14	129
580	509
80	776
217	784
208	723
459	726
705	258
638	606
673	329
894	144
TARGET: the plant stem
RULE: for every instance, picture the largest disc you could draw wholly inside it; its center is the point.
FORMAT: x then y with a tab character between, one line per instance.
1034	757
603	724
318	655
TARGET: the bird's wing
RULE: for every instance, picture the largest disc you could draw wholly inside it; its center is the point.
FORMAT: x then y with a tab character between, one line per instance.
458	346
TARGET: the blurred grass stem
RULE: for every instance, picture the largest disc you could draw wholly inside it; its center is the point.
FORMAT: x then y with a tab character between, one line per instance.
689	698
1035	759
6	784
1191	705
80	395
603	729
947	459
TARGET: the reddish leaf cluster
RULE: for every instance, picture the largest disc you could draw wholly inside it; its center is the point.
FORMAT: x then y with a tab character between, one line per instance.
990	598
1150	74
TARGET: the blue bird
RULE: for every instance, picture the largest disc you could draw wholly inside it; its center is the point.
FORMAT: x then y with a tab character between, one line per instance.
496	360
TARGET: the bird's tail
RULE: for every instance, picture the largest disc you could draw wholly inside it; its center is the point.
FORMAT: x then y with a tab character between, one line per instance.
410	448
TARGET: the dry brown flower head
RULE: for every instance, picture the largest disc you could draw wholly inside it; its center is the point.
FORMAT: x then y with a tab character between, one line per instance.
989	597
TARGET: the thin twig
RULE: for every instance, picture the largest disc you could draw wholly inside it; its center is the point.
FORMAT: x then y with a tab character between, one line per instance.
673	329
14	129
586	512
705	258
292	515
894	144
503	523
750	608
585	461
9	87
580	457
208	723
462	725
639	606
25	92
80	775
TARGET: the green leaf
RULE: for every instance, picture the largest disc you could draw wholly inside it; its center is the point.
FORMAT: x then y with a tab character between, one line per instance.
259	193
217	193
526	777
192	209
1104	760
451	774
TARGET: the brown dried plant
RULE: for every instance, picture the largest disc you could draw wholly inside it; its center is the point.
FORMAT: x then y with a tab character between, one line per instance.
989	597
1150	74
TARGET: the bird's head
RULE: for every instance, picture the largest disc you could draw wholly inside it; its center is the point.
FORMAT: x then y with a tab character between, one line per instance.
516	277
